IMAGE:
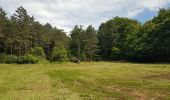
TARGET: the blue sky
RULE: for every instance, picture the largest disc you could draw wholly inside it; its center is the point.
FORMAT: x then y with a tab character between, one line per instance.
65	14
146	15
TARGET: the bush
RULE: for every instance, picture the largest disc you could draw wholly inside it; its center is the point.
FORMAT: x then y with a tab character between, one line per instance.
9	59
59	54
28	59
38	52
3	58
116	55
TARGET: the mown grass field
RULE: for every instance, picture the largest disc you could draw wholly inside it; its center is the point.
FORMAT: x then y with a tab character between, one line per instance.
85	81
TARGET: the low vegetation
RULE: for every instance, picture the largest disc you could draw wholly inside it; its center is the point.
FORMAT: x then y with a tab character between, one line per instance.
85	81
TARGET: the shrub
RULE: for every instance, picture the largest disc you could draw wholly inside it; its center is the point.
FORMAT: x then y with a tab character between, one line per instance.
28	59
9	59
59	54
116	55
38	52
3	58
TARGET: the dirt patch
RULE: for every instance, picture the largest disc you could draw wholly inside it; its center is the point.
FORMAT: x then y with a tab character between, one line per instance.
77	82
138	95
159	77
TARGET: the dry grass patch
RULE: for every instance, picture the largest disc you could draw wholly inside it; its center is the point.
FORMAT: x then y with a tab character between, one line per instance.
159	77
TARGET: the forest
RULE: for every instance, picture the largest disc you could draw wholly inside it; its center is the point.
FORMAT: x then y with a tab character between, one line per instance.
25	40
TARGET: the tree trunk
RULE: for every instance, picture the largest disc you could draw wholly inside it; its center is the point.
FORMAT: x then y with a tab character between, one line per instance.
19	54
91	56
11	50
105	52
78	50
48	48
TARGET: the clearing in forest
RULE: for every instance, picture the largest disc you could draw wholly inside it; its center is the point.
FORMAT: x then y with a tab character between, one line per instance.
85	81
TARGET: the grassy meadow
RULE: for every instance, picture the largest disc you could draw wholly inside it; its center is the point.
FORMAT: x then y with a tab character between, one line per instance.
85	81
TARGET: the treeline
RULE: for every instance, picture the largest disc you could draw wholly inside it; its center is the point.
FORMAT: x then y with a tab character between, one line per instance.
21	37
24	40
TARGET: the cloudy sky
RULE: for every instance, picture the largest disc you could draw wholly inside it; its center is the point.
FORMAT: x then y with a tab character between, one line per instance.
65	14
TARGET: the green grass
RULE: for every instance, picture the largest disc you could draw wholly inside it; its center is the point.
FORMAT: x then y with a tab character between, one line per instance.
85	81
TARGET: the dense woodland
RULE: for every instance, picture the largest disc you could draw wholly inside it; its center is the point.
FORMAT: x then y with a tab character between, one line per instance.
25	40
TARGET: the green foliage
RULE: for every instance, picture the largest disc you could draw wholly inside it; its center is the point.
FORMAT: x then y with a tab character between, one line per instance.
117	39
77	42
106	39
9	59
3	58
91	44
12	59
83	44
3	29
38	52
116	53
21	33
59	54
28	59
117	33
154	42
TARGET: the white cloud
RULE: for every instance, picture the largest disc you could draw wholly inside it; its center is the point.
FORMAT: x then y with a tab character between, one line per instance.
154	4
134	12
67	13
